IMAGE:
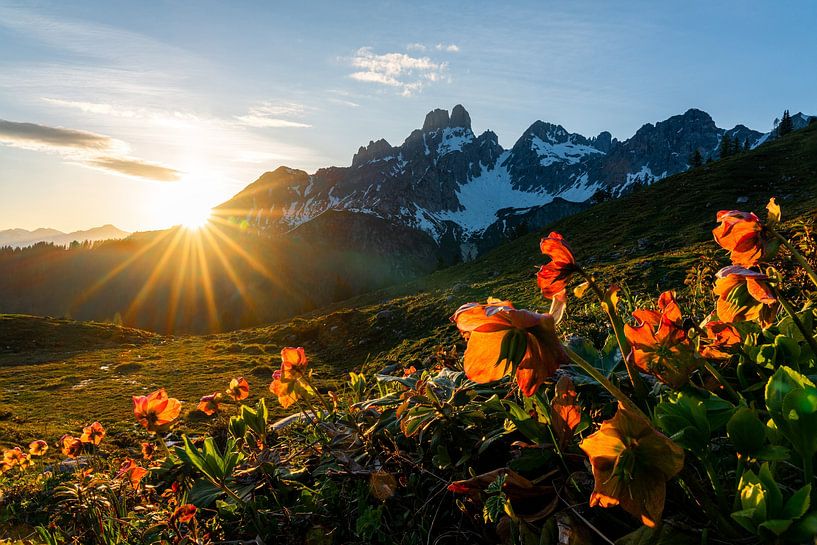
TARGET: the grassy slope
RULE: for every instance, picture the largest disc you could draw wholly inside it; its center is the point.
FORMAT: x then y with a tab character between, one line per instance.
82	372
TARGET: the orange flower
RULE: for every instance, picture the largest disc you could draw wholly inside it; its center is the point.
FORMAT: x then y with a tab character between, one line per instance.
15	456
37	448
744	295
632	463
71	446
660	346
288	383
183	514
720	338
553	277
93	434
742	234
525	341
209	404
565	414
147	450
239	389
132	471
156	412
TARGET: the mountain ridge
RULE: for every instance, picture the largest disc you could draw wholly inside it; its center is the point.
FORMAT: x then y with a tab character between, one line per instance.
468	192
20	238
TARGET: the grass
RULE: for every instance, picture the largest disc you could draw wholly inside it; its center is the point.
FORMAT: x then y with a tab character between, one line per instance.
58	375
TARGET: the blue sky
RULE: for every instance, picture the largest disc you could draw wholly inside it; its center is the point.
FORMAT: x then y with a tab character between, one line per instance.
138	114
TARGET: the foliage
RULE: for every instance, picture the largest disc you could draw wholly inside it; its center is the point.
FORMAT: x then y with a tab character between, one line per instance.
563	441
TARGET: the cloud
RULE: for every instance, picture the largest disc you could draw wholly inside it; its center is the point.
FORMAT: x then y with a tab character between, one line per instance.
268	114
83	147
450	48
135	168
404	72
39	137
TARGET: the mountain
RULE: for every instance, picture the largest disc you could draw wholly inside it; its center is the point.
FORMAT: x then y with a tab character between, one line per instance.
20	238
469	193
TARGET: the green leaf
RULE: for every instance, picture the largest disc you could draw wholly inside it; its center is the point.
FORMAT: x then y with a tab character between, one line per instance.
746	431
798	503
776	526
774	497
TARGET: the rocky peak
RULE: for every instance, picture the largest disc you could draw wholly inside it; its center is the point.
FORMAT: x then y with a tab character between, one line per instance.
603	142
460	117
375	150
439	119
436	119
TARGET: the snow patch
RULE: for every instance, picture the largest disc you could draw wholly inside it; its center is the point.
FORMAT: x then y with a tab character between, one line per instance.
483	196
565	152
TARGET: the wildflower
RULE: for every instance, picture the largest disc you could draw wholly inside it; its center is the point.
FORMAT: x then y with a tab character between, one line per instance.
565	414
156	412
720	338
183	514
632	463
553	277
239	389
660	345
209	404
37	448
148	449
70	446
744	295
288	382
525	341
132	471
93	434
15	456
742	234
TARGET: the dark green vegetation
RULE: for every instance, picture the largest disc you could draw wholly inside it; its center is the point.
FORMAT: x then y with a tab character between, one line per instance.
652	240
648	241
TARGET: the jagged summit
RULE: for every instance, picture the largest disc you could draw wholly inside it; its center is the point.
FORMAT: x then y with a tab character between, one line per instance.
467	191
439	119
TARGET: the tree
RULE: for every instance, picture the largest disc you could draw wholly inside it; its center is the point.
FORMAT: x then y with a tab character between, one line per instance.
746	145
786	125
696	160
726	146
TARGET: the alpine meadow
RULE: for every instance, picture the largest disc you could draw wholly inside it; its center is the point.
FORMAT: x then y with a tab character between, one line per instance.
565	295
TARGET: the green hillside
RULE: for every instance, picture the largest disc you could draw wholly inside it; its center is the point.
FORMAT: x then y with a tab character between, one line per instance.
56	375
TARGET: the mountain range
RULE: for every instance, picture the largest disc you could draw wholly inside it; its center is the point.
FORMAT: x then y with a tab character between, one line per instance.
467	192
20	238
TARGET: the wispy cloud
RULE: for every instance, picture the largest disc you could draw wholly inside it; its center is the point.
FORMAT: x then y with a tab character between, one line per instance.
41	137
270	115
83	147
135	168
406	73
448	48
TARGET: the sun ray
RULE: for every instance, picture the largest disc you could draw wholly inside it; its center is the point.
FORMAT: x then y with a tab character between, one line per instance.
206	283
147	287
82	297
228	268
176	289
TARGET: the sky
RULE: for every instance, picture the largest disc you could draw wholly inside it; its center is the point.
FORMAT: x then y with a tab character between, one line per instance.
139	114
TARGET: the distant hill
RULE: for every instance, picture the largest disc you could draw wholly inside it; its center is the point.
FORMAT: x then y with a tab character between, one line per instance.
20	238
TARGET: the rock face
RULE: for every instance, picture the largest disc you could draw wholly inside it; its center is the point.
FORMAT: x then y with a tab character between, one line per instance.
469	194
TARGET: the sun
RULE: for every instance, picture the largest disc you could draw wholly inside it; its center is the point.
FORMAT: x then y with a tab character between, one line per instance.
194	218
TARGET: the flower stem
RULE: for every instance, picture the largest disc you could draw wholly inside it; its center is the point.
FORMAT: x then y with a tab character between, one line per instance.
604	381
726	386
796	255
639	388
796	319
